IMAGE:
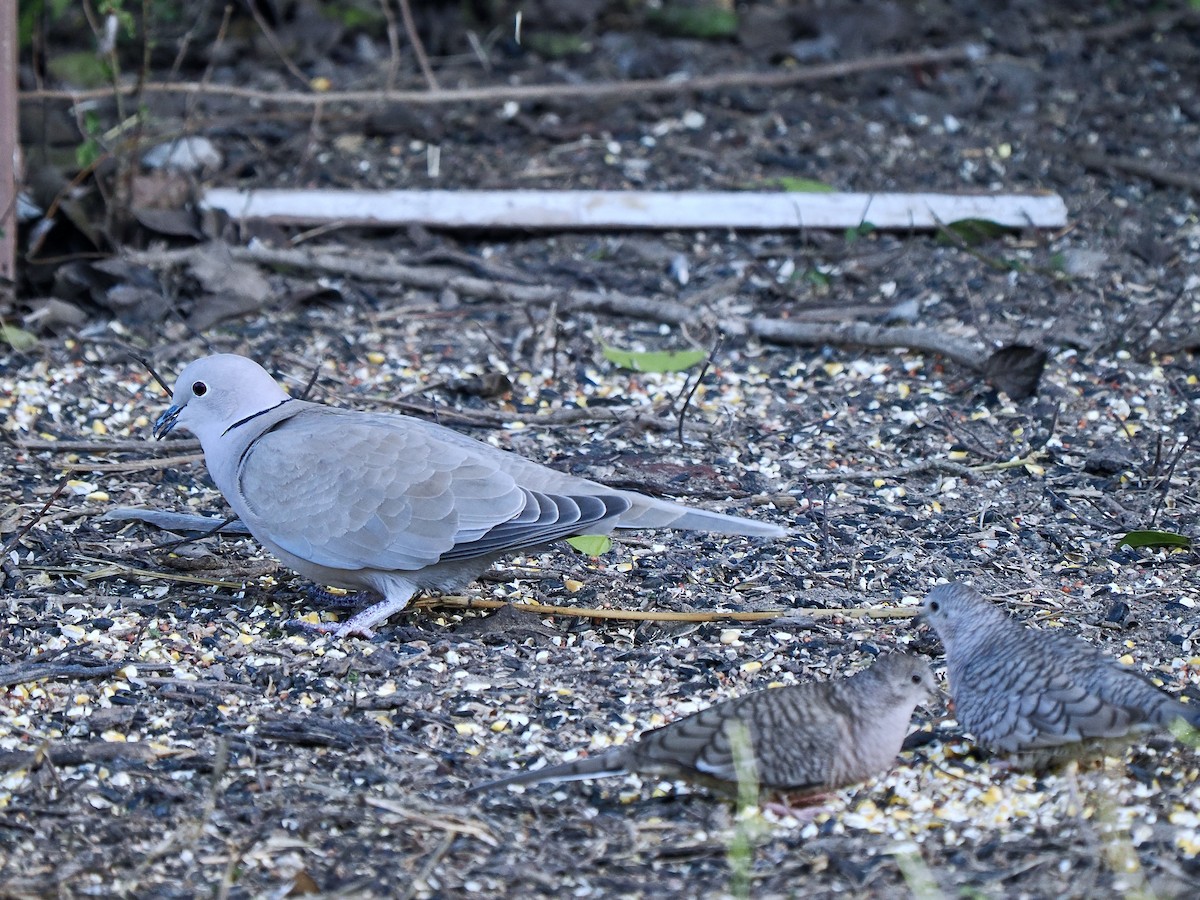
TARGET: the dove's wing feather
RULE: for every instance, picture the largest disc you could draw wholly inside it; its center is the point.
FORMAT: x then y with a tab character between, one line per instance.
798	737
641	511
1020	689
1011	707
807	737
349	492
547	517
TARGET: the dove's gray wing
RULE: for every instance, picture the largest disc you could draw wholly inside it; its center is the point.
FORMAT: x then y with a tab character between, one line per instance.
349	491
1142	701
807	737
790	734
1019	702
643	511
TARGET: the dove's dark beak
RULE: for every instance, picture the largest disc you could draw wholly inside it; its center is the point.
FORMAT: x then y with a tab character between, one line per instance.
164	423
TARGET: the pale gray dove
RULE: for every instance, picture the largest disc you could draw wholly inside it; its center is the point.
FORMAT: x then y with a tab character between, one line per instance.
385	503
1038	695
806	738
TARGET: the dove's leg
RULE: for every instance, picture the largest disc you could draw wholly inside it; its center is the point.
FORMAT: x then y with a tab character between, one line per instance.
360	624
329	600
802	806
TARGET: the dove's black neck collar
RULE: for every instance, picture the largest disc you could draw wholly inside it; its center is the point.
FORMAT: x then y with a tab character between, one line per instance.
262	412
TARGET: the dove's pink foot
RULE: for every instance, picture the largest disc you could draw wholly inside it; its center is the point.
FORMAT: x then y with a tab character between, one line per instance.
361	623
803	807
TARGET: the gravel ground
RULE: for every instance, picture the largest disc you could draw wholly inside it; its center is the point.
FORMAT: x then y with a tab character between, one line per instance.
164	734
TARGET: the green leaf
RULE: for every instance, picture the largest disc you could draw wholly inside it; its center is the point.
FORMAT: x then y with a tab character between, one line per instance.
859	231
17	339
1154	539
973	232
1185	732
802	185
591	544
555	44
80	69
654	360
704	22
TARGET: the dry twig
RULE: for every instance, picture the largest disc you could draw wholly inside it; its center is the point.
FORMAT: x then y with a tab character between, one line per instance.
780	331
645	615
501	93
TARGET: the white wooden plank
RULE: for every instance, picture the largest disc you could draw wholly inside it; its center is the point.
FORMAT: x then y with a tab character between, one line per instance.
559	210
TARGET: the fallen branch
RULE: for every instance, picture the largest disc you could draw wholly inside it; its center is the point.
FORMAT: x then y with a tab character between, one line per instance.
503	93
1142	168
135	465
642	615
638	416
101	447
120	570
930	465
26	672
77	754
865	334
782	331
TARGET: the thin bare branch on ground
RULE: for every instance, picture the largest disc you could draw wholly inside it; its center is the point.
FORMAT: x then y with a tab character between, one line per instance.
649	615
501	93
779	331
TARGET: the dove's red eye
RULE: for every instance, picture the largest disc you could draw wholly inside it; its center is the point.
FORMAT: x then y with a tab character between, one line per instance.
199	388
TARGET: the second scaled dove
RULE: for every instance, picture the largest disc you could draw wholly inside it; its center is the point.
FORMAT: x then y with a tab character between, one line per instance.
1039	696
806	738
389	504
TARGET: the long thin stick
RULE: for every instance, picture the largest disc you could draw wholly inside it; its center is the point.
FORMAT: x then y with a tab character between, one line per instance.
499	93
24	530
410	28
643	615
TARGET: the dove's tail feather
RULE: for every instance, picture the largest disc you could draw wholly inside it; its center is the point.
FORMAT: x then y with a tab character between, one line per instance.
603	765
647	512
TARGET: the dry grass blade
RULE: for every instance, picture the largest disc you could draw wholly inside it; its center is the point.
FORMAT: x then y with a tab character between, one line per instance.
114	570
641	615
460	826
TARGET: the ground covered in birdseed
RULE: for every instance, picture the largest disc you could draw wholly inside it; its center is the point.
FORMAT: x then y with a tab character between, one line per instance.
162	734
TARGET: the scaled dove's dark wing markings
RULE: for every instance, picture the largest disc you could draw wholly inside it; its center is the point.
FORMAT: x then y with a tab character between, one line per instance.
810	738
1039	695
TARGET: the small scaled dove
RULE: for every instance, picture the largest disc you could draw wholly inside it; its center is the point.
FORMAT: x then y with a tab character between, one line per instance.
806	738
389	504
1039	696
